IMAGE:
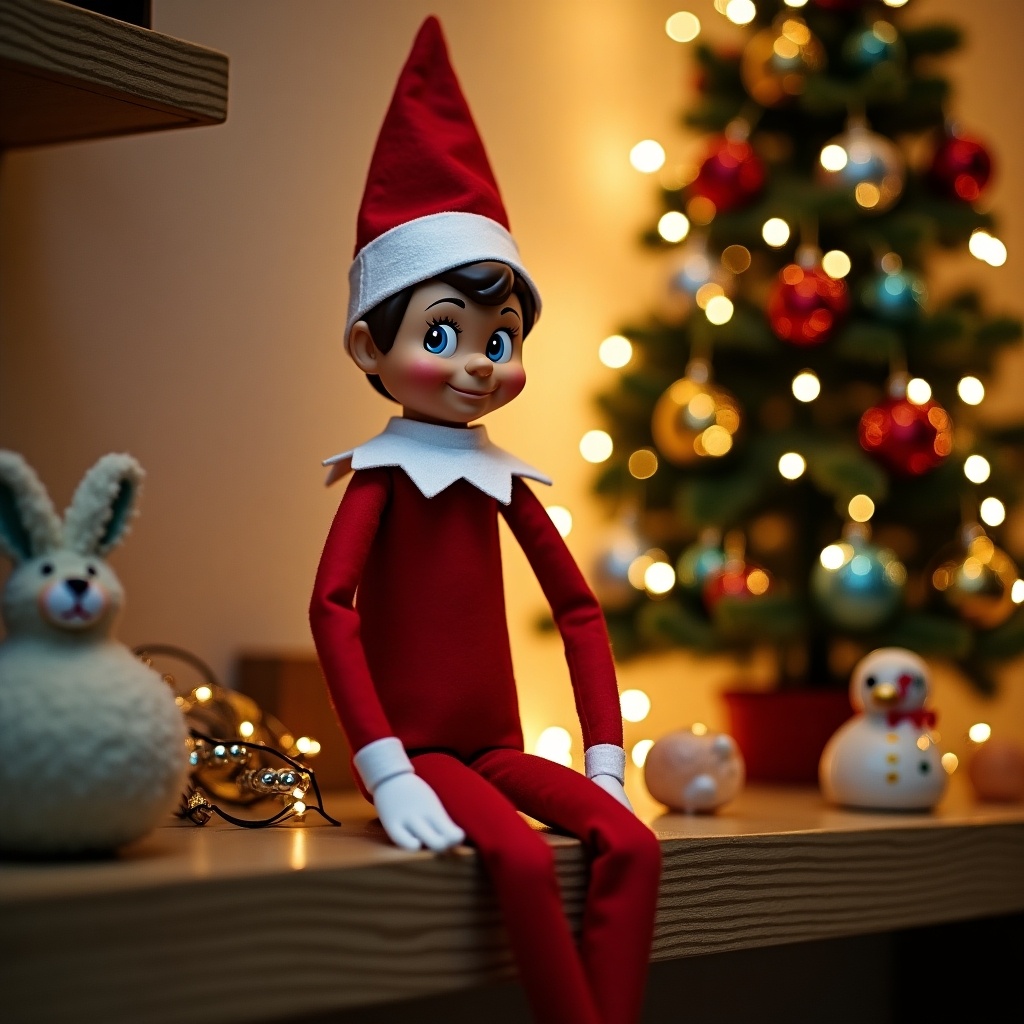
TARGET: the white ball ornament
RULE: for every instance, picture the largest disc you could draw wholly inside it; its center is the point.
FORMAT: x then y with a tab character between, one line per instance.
694	772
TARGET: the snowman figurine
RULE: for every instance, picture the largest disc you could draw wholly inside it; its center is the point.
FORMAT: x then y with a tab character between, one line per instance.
885	757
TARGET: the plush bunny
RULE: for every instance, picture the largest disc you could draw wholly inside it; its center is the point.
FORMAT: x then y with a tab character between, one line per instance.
94	746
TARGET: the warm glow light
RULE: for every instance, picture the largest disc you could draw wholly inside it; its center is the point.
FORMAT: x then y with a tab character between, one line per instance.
971	390
555	744
775	231
640	751
736	258
715	441
806	386
647	156
637	569
836	264
895	3
1017	592
996	255
833	556
596	446
979	732
643	464
796	3
304	744
861	508
719	310
615	351
792	465
246	729
699	729
833	157
299	808
987	248
977	469
561	517
673	226
950	762
203	693
919	391
706	292
740	12
659	578
867	194
297	854
992	512
683	27
635	705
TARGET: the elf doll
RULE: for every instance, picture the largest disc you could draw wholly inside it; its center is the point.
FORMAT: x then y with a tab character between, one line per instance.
408	612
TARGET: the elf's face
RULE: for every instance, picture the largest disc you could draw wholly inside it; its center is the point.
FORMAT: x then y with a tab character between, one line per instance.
453	359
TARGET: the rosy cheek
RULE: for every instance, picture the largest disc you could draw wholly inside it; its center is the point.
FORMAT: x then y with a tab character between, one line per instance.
514	381
428	373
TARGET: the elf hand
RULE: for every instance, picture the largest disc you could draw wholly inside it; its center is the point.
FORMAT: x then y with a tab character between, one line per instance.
606	767
611	785
408	808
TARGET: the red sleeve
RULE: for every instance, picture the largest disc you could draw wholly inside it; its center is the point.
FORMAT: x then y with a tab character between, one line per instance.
332	615
576	612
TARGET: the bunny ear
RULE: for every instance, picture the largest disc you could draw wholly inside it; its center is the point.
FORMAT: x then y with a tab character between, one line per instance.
28	521
100	512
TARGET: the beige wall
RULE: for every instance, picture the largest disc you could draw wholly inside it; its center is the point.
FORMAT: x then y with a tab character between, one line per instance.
181	295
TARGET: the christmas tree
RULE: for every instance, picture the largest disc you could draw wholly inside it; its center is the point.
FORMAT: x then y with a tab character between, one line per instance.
799	459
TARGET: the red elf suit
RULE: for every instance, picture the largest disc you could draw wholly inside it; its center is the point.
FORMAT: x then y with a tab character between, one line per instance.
408	608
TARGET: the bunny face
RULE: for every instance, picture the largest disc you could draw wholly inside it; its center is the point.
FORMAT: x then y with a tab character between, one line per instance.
62	590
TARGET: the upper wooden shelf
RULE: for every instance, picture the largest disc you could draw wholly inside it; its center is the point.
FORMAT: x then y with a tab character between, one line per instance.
68	74
274	923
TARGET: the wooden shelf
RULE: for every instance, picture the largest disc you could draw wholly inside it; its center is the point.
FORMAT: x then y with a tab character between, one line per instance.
68	74
272	924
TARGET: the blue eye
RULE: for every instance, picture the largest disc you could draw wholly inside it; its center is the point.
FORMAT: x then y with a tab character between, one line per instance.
441	339
499	347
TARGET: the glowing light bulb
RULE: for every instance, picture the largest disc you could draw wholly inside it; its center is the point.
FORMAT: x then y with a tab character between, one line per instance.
299	808
919	391
806	386
979	732
643	464
647	156
719	310
796	3
987	248
635	705
640	750
1017	592
659	578
861	508
561	517
596	446
307	745
833	556
792	465
203	694
555	744
950	762
977	469
836	264
740	12
682	27
971	390
673	226
833	157
246	729
775	231
615	351
992	512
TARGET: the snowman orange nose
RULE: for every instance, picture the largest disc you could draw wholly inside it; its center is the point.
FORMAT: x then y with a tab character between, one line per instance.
885	693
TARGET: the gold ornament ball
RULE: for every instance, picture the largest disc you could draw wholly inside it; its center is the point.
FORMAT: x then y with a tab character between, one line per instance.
778	59
977	581
694	420
996	770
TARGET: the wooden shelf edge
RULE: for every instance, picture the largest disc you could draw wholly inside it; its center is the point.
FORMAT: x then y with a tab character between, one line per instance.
68	74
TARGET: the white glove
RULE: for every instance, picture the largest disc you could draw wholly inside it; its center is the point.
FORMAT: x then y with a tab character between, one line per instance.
408	808
611	785
413	816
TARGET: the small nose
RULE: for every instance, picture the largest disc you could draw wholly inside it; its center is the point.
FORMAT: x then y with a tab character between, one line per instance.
76	586
479	366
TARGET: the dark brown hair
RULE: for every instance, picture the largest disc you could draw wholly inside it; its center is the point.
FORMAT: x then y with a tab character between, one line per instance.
488	282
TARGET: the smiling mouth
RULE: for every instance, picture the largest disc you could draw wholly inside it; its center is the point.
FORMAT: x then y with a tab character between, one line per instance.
472	394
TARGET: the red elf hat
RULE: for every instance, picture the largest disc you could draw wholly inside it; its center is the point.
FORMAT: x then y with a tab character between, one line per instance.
431	202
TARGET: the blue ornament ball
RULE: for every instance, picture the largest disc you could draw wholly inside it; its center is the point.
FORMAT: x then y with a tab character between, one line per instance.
697	562
898	297
872	46
857	585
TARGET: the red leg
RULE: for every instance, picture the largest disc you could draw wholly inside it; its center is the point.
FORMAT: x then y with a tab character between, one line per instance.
622	894
520	865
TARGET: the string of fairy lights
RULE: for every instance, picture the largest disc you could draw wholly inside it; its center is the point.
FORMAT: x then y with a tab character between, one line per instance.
873	170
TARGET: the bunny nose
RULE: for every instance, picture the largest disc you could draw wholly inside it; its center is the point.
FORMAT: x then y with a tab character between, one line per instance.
76	586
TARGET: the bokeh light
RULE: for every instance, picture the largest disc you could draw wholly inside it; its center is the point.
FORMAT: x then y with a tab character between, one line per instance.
673	226
682	27
792	465
971	390
836	264
647	156
861	508
806	386
561	517
977	469
615	351
596	446
635	705
992	512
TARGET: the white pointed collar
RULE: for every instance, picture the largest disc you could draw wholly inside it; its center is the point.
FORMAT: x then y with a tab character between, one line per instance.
434	457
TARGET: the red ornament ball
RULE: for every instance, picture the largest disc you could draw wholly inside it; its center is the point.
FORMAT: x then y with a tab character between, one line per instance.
961	167
731	174
806	305
737	578
907	438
